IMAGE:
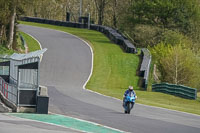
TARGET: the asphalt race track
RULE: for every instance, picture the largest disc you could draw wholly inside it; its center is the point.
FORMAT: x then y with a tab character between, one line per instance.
10	124
66	67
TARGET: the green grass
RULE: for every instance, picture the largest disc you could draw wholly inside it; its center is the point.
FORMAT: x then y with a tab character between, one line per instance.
115	70
31	43
4	50
20	43
168	101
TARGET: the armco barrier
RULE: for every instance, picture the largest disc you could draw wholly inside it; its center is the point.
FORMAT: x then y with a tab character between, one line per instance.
8	91
177	90
111	33
145	66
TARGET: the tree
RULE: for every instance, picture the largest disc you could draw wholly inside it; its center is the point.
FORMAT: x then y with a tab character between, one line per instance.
171	14
100	6
8	16
177	64
12	23
115	4
4	20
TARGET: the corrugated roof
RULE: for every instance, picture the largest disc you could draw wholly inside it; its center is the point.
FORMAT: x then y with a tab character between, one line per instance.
37	53
4	56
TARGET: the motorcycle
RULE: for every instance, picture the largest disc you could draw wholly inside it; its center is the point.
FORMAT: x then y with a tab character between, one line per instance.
128	104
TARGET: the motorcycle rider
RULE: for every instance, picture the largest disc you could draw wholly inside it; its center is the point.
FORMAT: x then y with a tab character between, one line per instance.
129	92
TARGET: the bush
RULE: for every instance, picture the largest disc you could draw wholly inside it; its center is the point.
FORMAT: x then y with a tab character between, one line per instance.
145	35
177	64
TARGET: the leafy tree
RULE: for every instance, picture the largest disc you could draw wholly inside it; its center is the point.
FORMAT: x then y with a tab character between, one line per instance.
8	16
4	21
166	13
13	5
177	64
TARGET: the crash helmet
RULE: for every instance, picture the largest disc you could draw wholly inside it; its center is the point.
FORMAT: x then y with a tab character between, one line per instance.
130	88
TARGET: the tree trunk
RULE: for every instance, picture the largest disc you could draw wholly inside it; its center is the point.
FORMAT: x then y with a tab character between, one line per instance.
100	17
1	34
176	70
155	76
12	27
114	14
100	5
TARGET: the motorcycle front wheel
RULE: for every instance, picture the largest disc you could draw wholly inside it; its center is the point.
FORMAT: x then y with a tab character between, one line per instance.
129	108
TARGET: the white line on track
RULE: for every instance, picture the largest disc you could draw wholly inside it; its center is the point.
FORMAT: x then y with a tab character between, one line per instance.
38	43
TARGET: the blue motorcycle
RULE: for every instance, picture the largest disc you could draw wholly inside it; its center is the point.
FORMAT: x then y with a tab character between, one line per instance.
128	103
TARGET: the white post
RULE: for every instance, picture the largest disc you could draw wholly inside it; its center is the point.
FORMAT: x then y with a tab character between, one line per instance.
18	88
89	21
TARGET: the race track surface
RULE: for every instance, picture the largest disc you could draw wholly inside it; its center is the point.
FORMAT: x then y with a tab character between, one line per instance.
10	124
65	68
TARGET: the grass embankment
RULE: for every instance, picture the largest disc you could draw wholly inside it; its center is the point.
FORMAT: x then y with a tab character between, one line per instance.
4	50
31	43
114	70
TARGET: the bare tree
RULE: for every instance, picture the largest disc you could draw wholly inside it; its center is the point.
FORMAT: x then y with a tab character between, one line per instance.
115	13
180	66
12	25
100	6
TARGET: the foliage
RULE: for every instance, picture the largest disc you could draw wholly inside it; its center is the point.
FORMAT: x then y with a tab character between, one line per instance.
175	37
145	35
4	50
171	14
177	64
9	9
4	20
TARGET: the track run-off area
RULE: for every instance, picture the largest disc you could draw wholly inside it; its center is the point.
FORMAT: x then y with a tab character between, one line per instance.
65	68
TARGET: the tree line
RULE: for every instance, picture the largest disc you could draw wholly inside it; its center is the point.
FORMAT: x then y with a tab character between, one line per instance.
169	28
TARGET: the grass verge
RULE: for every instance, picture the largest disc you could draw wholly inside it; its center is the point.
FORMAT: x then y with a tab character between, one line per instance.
4	50
30	42
114	70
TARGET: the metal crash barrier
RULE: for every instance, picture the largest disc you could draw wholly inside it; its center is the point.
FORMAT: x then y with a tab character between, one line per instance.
177	90
8	90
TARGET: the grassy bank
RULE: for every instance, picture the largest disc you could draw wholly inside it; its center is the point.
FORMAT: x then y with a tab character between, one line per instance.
4	50
30	42
114	70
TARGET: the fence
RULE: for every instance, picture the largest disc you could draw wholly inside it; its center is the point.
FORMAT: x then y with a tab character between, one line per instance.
177	90
8	90
145	66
